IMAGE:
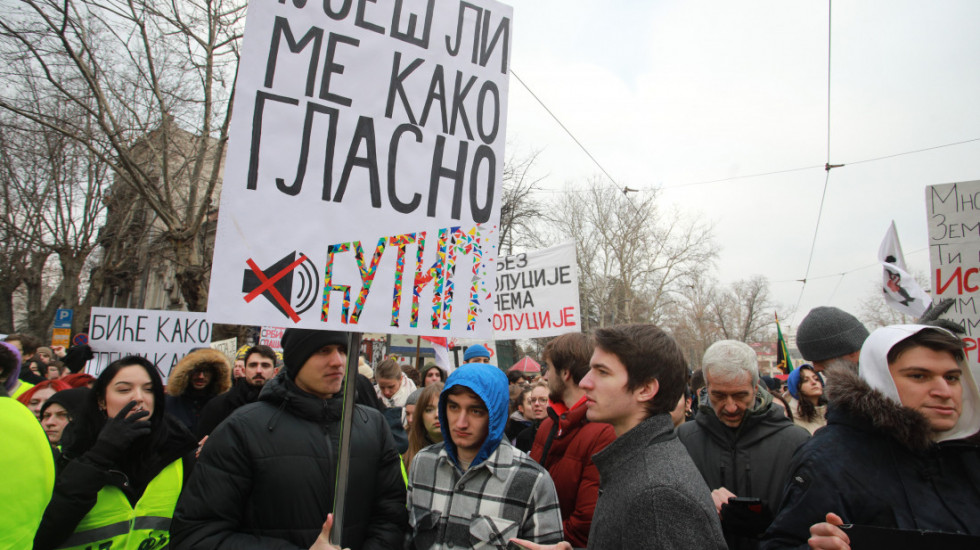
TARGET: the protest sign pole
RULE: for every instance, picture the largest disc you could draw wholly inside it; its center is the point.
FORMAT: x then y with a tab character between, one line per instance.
343	464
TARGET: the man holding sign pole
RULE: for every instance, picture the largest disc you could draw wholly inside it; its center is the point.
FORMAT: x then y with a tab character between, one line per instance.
266	477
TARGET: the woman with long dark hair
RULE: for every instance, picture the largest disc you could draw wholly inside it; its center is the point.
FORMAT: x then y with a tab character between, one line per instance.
425	429
122	468
808	405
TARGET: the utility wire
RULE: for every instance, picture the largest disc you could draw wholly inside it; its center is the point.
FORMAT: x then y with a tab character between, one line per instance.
848	272
744	177
827	166
916	151
762	174
567	131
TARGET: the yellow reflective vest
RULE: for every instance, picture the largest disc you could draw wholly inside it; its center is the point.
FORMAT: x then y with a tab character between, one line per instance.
114	524
21	390
26	459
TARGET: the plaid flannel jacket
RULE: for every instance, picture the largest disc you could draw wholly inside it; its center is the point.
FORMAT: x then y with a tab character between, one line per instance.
508	495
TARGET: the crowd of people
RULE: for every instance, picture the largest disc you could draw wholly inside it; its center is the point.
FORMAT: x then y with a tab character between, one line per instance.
615	443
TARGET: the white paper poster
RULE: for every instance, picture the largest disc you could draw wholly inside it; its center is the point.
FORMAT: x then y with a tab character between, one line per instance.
953	213
363	179
537	294
163	337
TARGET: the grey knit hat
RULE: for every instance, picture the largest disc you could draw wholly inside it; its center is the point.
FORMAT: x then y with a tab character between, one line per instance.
828	332
413	397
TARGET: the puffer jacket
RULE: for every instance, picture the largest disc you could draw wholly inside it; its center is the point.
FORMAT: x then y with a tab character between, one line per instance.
878	463
750	461
265	478
218	409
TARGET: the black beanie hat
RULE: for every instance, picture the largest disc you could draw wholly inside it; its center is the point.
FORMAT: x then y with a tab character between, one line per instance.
298	344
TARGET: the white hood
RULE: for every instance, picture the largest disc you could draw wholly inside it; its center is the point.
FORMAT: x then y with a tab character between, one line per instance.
873	368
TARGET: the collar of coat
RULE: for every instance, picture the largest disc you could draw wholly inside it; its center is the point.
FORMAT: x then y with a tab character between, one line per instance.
852	400
284	394
761	420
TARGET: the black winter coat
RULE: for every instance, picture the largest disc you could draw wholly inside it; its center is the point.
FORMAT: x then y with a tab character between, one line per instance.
750	461
874	464
265	478
242	393
218	409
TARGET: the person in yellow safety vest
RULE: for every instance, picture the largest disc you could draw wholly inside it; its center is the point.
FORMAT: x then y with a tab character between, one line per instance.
28	462
123	466
10	378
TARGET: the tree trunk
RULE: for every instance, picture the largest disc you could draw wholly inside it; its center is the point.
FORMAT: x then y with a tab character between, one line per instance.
6	309
192	269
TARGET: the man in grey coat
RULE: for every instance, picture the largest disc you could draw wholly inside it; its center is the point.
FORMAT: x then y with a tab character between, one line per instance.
650	493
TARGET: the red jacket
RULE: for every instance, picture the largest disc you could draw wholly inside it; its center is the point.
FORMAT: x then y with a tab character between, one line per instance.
569	462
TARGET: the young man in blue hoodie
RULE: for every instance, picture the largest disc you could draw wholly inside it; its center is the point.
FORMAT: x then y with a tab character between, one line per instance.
475	489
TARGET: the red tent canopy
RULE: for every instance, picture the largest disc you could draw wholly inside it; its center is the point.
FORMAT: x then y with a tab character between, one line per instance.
527	365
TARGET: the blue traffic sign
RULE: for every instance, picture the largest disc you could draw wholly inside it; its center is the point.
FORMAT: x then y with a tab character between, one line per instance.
62	319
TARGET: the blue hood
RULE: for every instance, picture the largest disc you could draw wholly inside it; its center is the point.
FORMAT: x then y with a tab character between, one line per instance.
489	383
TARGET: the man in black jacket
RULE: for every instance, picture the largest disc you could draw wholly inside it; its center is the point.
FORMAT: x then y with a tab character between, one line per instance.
899	451
260	367
741	443
266	477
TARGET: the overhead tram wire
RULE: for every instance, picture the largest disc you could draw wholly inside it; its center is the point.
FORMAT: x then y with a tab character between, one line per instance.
789	170
827	166
569	132
848	272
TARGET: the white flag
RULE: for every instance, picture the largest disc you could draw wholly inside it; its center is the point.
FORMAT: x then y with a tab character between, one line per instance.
902	292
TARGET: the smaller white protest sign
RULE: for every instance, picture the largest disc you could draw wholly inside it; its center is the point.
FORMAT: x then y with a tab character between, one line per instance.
163	337
953	211
227	347
537	294
272	337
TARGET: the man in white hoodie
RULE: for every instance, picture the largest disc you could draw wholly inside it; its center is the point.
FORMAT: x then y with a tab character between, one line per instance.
899	450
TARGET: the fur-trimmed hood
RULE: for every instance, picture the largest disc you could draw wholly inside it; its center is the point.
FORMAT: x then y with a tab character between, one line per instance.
872	395
179	379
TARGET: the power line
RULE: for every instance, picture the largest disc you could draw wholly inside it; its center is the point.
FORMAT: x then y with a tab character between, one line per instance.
801	169
915	151
743	177
563	127
813	243
842	273
827	166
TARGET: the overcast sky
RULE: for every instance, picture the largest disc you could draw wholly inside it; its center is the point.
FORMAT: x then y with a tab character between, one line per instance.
669	93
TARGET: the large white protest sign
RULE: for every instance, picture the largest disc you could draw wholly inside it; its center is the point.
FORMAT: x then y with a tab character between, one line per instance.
163	337
953	211
363	177
537	294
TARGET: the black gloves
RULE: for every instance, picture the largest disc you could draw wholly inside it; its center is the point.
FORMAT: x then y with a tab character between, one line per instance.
119	433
